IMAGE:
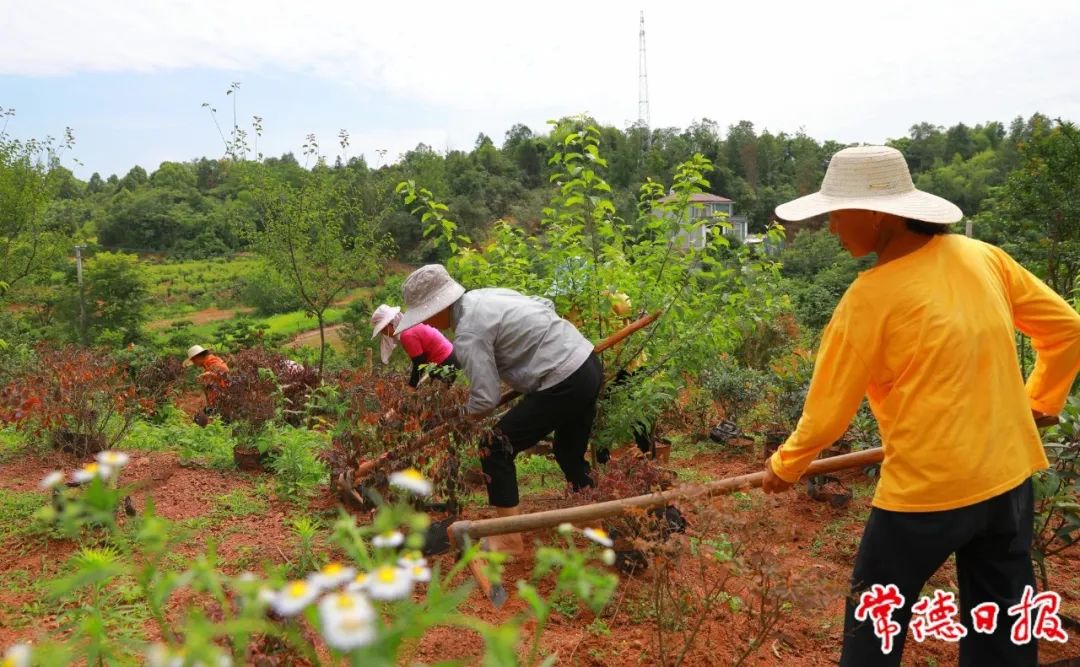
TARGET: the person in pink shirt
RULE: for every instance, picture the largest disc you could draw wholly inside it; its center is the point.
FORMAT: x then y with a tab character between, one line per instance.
424	344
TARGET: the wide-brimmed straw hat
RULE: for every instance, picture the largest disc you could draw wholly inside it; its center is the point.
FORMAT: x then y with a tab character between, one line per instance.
872	178
427	291
383	317
193	351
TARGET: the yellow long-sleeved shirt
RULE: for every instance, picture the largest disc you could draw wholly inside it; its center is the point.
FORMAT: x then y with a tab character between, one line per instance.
929	339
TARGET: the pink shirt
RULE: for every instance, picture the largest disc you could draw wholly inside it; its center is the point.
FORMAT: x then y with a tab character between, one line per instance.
426	340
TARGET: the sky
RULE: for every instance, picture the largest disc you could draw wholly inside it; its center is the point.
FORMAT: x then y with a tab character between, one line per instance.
130	77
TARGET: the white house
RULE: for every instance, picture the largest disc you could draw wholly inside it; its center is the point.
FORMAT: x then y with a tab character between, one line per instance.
705	205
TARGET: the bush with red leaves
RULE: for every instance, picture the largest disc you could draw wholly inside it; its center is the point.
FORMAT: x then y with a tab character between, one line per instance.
78	397
382	414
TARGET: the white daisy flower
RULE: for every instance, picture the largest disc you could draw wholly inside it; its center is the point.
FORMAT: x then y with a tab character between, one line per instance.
17	655
608	557
267	595
90	471
391	539
331	575
598	535
347	621
359	583
566	528
389	583
292	599
113	459
411	480
411	560
158	655
420	573
52	480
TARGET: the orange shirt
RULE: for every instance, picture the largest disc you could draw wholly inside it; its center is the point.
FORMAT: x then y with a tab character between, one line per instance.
213	377
929	339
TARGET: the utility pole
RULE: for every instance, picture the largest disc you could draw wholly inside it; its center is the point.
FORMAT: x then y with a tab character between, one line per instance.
82	299
643	84
967	227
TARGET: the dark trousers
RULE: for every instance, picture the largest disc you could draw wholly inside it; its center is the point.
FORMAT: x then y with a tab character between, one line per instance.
568	409
992	543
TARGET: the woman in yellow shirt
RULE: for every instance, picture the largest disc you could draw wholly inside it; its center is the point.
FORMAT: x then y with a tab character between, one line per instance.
927	335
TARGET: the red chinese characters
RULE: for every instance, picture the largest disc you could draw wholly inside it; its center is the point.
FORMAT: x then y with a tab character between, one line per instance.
936	618
1038	617
984	618
878	604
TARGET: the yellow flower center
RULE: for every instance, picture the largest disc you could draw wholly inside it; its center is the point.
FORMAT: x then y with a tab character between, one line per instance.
345	602
297	589
600	533
387	574
418	570
91	468
333	568
361	578
413	474
8	662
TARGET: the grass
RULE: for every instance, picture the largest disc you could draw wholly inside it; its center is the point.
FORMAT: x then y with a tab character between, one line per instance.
537	473
682	450
10	443
17	510
836	536
236	504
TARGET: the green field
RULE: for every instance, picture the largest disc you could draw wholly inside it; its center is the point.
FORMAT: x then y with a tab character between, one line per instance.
178	288
207	293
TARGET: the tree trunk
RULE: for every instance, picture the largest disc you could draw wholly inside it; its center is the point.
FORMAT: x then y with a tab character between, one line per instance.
322	342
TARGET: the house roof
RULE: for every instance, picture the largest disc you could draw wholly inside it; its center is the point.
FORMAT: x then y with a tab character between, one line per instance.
702	198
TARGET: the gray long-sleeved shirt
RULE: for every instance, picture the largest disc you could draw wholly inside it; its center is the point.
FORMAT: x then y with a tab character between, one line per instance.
500	334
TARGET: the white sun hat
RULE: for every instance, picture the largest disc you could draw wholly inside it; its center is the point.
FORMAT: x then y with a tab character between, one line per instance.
427	291
872	178
193	351
384	316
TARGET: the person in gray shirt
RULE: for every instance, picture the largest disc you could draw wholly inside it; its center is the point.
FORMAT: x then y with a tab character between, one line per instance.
503	336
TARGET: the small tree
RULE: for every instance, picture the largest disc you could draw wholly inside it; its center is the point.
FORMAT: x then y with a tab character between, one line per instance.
28	180
316	238
116	294
1037	213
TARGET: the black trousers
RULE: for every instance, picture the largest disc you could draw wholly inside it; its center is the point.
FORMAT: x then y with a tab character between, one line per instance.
568	409
992	543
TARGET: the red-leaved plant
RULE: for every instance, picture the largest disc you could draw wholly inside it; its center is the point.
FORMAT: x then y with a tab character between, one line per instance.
77	397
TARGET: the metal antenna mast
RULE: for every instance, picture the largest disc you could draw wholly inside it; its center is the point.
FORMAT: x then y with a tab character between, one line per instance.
643	83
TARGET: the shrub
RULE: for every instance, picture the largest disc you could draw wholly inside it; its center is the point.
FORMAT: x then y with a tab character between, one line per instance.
297	463
78	397
736	388
268	293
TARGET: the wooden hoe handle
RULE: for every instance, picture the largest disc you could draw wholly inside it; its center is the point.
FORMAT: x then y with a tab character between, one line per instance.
459	530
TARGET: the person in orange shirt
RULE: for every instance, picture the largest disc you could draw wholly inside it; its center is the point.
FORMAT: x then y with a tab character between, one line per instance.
928	336
213	378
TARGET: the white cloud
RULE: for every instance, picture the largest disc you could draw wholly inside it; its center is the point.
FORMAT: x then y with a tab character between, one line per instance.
845	69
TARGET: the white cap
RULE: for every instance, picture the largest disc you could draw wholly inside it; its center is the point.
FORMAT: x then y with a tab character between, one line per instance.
428	291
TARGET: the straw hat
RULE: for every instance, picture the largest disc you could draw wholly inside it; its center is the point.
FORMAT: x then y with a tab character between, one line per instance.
872	178
193	351
384	316
427	291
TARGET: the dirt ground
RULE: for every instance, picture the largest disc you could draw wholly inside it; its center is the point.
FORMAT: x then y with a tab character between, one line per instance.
199	317
810	538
